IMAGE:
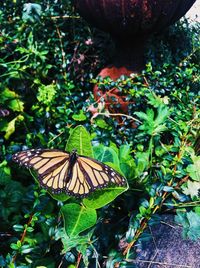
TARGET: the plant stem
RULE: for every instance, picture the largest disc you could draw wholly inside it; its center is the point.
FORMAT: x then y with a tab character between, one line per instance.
23	236
144	222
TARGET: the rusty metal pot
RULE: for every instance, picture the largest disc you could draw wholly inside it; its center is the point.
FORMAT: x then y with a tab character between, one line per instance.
130	22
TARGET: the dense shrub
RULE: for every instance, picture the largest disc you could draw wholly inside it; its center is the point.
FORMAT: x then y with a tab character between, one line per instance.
48	64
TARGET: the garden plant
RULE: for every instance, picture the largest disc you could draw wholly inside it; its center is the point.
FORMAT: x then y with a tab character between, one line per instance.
49	61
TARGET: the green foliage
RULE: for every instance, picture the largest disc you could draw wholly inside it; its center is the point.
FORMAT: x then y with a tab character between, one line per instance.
101	198
81	141
154	126
78	218
194	169
48	60
191	224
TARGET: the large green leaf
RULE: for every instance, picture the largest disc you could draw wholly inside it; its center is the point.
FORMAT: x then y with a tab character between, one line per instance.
102	197
106	155
81	141
78	218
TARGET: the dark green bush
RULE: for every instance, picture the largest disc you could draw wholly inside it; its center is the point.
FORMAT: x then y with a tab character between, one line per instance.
48	64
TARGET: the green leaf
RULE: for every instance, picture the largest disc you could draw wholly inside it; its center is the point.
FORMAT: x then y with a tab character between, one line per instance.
11	265
3	124
127	163
102	123
31	12
154	126
5	173
26	249
8	94
102	197
10	129
78	218
163	113
191	224
79	117
46	93
60	197
194	222
157	101
168	189
146	116
18	228
142	162
106	154
194	169
81	141
14	246
74	241
16	105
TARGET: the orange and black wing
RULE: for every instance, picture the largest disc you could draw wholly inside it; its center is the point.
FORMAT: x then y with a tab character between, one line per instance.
89	174
51	166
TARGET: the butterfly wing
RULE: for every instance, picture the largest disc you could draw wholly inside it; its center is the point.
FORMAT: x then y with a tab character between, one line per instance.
54	167
90	174
51	166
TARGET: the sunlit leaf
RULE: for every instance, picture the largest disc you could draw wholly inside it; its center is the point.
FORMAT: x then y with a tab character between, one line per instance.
81	141
78	218
102	197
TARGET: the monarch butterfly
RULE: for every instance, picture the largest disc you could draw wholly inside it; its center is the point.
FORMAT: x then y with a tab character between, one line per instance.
60	171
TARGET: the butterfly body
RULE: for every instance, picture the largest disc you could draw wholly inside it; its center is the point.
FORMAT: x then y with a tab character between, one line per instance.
72	160
60	171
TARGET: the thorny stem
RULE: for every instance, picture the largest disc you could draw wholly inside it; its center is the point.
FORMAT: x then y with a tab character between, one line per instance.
145	221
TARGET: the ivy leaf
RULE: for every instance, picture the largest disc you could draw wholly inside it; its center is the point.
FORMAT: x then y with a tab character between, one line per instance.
194	169
78	218
192	188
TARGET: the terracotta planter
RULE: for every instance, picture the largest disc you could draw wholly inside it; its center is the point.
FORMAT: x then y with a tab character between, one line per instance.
130	22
